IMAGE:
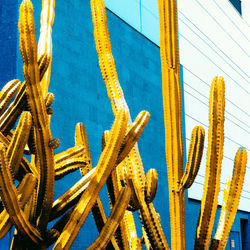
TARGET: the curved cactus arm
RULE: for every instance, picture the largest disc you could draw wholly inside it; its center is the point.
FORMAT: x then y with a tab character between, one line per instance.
151	185
134	203
134	132
45	39
9	196
232	192
126	234
36	103
69	166
74	152
25	165
71	197
171	92
115	217
10	116
106	164
81	139
152	225
106	59
195	152
213	166
97	210
18	141
25	190
7	93
114	185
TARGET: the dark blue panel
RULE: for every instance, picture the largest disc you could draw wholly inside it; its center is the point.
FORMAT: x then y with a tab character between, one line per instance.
236	4
234	241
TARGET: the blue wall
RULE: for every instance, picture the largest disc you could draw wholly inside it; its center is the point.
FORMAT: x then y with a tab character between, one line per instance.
80	95
8	40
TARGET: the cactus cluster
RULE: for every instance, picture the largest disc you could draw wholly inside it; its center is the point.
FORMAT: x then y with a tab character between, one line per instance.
30	206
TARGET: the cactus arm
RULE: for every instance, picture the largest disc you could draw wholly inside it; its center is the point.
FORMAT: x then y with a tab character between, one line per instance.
104	167
45	39
37	107
134	132
106	60
7	93
172	118
25	190
69	166
113	186
71	197
26	167
194	157
97	210
18	141
114	90
232	192
152	225
9	196
213	164
113	220
151	185
74	152
10	116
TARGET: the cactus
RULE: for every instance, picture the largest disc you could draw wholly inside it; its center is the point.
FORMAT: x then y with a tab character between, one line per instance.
30	206
231	200
113	220
194	157
105	165
9	197
36	105
213	165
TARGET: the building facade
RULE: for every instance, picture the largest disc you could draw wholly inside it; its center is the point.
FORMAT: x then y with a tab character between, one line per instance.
214	40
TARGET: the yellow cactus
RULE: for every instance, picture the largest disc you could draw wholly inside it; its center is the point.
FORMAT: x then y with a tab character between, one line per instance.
7	93
104	167
194	157
231	200
25	190
213	166
18	141
9	197
36	103
97	209
113	220
45	40
30	206
171	92
151	184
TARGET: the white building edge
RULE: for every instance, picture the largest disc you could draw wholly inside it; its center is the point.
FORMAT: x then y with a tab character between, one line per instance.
214	40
